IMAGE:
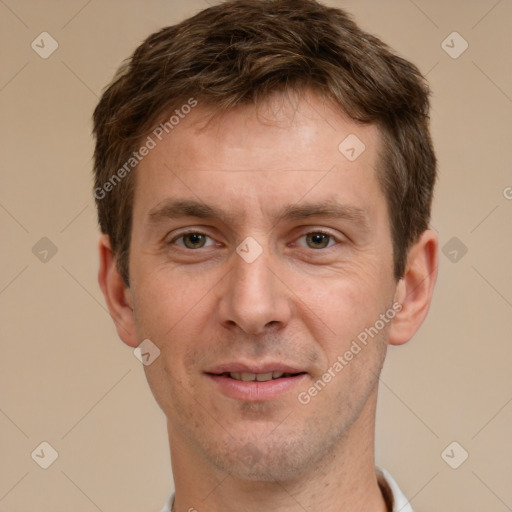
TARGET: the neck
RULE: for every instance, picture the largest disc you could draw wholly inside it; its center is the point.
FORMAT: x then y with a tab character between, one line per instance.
345	480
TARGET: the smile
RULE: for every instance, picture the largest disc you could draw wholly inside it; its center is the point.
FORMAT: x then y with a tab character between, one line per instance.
260	377
256	387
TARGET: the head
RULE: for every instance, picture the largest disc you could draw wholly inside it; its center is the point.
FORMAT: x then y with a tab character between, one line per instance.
231	126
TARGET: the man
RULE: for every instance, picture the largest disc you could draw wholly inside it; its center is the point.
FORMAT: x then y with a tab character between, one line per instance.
264	176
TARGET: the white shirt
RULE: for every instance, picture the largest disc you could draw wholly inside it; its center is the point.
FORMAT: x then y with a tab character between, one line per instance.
386	481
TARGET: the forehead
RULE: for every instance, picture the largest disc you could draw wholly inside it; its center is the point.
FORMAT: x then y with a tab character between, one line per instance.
283	151
284	128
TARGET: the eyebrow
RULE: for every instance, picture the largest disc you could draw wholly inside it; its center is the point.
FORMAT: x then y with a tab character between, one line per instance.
329	208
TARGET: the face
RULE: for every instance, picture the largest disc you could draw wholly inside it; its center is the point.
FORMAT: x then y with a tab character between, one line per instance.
259	248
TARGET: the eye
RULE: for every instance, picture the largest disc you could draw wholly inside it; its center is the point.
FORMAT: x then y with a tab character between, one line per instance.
196	240
319	239
192	240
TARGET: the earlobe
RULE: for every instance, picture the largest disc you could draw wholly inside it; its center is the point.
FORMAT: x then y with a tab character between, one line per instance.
117	294
415	289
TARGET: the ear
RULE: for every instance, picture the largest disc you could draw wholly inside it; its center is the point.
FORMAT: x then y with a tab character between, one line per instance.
117	294
415	289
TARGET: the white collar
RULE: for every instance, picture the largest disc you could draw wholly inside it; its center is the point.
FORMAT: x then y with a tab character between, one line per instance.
400	502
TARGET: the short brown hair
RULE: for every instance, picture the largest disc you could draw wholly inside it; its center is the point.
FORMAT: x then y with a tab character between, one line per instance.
242	51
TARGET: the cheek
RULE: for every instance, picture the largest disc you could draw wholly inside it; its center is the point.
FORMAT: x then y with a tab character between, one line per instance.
172	310
166	301
345	305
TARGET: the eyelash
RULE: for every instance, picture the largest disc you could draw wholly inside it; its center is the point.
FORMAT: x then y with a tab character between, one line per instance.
316	231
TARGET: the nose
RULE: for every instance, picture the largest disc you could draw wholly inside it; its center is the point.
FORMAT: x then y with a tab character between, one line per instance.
253	297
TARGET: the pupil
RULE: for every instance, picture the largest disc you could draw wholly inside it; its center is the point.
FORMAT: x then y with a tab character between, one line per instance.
319	238
195	238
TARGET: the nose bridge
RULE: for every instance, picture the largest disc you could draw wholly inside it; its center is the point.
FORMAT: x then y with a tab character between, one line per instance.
253	297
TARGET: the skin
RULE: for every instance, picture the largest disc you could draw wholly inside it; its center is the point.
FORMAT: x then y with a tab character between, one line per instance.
298	302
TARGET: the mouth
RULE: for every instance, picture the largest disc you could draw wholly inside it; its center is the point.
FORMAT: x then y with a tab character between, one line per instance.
255	384
258	377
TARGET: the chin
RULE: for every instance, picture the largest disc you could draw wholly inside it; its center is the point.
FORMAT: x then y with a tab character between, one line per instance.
265	459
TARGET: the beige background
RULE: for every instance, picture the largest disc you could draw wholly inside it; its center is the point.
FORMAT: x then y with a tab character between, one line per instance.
66	378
